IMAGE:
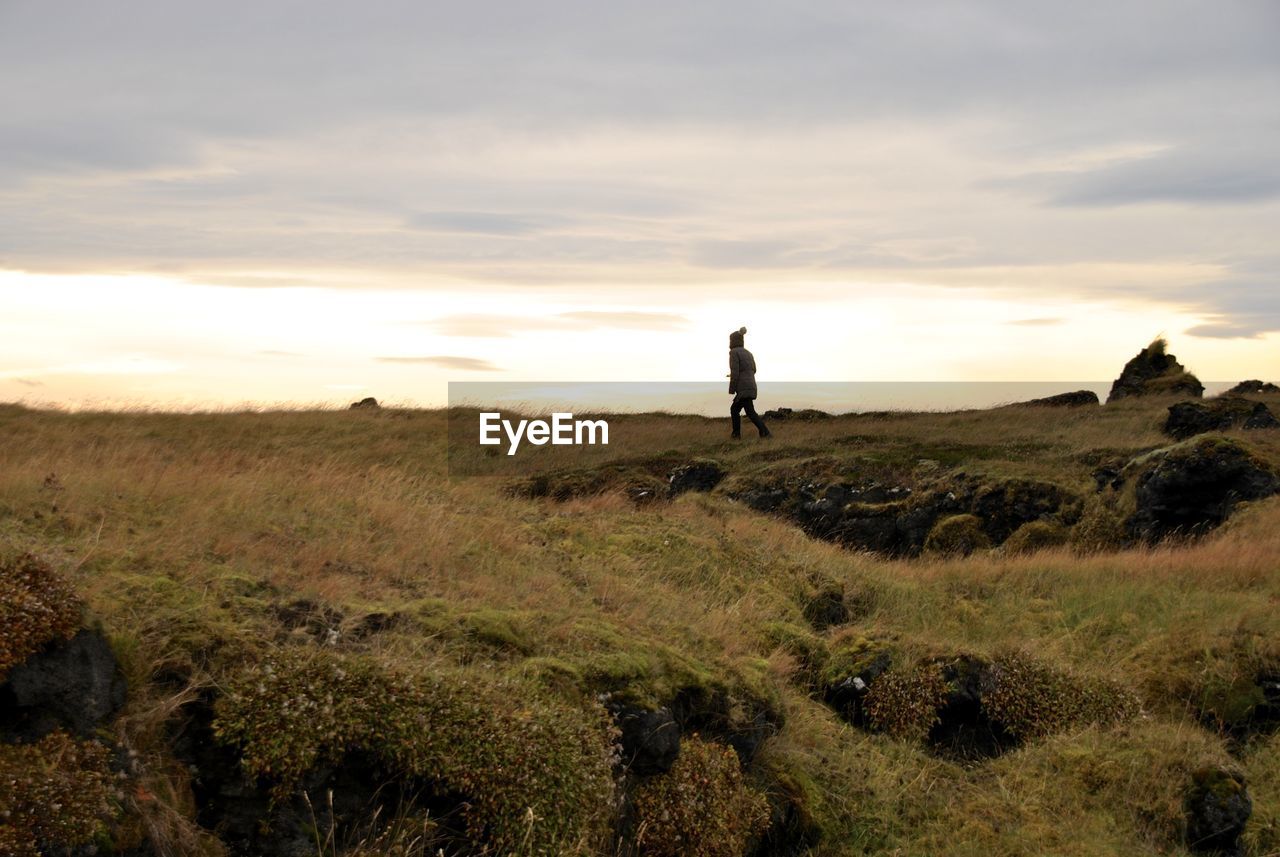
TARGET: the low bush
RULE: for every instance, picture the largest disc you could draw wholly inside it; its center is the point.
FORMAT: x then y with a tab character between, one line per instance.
1031	699
36	606
702	807
55	795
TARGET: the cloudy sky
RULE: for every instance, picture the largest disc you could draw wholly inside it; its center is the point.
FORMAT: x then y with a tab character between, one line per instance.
206	203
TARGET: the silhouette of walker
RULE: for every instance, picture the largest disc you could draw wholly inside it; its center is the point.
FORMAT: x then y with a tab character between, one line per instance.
742	383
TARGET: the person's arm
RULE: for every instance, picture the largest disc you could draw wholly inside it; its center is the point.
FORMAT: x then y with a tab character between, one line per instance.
733	371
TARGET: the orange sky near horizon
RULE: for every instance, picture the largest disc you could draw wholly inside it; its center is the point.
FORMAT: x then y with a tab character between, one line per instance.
82	341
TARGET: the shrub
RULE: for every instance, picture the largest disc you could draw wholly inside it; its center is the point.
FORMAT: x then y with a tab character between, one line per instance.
904	703
54	795
36	606
536	774
1035	536
701	807
957	535
1031	699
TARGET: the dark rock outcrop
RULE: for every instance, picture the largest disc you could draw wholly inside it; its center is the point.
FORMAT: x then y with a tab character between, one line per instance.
846	694
965	728
740	722
1076	399
1187	419
1217	808
694	476
75	685
1153	371
1252	388
897	520
366	404
1193	486
650	739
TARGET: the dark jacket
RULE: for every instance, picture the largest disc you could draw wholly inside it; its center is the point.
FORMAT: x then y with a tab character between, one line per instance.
742	373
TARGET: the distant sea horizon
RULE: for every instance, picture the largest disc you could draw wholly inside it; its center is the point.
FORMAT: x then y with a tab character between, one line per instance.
712	399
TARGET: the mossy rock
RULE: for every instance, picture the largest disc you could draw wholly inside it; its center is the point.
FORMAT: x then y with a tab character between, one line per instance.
1036	536
798	813
1193	486
856	662
957	535
535	772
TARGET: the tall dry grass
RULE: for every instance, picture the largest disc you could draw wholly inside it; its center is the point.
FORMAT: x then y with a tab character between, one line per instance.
184	532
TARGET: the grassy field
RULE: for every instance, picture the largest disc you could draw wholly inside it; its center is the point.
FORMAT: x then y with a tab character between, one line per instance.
207	545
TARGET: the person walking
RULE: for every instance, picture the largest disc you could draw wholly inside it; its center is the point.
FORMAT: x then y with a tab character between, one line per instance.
742	384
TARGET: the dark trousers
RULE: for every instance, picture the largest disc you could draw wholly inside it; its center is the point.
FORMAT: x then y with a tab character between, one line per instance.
749	405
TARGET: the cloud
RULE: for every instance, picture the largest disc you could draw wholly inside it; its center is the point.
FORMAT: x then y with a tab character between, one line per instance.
1036	322
1242	330
1219	175
636	320
483	325
132	364
659	146
480	222
271	352
28	382
465	364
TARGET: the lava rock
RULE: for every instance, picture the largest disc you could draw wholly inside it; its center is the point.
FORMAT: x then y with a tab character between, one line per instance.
1253	388
1007	505
846	696
1153	371
964	729
75	685
1187	419
366	404
742	723
1217	808
1076	399
764	499
1194	486
650	739
694	476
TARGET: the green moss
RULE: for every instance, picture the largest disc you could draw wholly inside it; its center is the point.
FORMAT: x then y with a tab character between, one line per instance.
536	773
499	629
957	535
54	795
702	807
36	606
808	649
851	654
554	674
1036	536
796	798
